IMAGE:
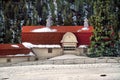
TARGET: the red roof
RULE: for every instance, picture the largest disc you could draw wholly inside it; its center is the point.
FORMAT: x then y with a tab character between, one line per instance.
7	49
83	36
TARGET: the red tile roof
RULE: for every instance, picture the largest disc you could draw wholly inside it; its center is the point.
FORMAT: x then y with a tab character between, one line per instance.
7	49
83	36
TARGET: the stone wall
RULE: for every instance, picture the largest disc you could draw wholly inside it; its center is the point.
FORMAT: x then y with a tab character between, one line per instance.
16	59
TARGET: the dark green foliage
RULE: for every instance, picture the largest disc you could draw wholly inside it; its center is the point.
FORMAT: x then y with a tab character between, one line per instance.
2	30
105	22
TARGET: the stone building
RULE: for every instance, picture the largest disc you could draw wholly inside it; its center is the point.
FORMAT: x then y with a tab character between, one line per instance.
69	40
47	43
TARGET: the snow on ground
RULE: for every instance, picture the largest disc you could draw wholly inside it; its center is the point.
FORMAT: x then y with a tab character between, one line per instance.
46	29
108	71
67	56
30	45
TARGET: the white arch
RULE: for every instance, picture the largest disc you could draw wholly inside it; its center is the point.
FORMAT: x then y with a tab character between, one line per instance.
69	37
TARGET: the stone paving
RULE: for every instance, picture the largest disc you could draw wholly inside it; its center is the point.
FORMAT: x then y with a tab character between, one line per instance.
98	71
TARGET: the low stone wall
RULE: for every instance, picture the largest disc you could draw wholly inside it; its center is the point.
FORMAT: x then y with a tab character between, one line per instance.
84	61
16	59
68	61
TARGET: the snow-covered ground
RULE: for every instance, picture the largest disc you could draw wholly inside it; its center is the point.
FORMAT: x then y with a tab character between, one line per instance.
107	71
67	56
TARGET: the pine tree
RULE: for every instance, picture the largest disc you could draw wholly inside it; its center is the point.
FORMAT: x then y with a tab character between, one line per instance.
104	38
2	30
116	5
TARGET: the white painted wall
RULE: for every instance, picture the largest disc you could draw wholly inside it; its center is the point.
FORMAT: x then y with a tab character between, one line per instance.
42	53
3	60
19	59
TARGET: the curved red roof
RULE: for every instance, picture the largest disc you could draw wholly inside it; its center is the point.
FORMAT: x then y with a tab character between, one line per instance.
83	36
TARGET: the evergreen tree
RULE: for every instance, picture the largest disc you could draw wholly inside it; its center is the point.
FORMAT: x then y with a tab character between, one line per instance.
116	5
2	30
104	21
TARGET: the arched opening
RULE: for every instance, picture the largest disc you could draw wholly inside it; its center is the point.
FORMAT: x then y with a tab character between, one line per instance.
69	42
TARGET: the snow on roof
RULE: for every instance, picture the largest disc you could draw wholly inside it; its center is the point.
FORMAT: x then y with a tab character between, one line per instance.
83	46
27	44
30	45
47	46
30	54
18	55
46	29
16	46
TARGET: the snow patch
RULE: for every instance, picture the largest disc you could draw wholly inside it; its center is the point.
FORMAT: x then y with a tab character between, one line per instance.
46	29
47	46
17	55
83	46
30	45
15	46
67	56
31	54
85	28
20	55
27	44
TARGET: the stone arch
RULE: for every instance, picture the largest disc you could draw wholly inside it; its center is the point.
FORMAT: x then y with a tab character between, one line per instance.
69	39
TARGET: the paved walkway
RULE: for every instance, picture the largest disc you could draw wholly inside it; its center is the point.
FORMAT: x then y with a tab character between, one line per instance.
98	71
